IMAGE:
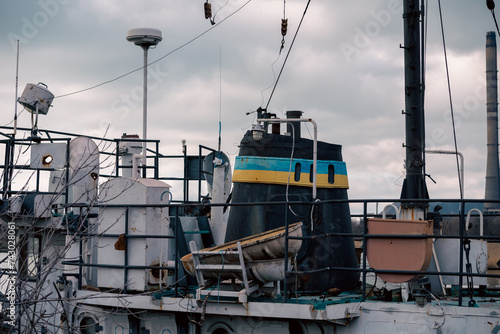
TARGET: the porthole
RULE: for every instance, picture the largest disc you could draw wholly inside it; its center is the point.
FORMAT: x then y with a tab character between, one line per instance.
331	174
87	326
220	331
220	328
298	170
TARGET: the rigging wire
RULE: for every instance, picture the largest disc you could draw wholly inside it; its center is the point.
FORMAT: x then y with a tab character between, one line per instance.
288	54
14	119
451	101
424	47
213	20
491	6
220	96
159	59
274	79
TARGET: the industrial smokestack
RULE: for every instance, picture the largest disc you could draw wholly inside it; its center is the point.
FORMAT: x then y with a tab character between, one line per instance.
492	188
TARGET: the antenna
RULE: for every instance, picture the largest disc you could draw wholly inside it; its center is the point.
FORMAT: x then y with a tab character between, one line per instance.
17	81
145	38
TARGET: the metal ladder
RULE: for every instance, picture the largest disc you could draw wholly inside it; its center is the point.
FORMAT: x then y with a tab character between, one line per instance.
222	290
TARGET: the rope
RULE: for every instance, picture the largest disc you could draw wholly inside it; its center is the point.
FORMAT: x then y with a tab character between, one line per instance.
288	54
491	6
451	101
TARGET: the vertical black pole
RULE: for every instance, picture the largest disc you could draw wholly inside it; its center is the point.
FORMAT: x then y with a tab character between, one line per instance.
8	168
461	256
414	185
365	232
125	258
285	286
186	182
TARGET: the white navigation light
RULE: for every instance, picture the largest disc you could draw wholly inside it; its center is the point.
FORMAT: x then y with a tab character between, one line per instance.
257	132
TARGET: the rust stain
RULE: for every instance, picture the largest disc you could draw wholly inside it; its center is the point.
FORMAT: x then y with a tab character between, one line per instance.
120	244
90	288
94	177
47	159
313	312
156	272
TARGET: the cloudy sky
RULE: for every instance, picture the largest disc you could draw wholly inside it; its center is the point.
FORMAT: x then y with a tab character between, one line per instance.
345	71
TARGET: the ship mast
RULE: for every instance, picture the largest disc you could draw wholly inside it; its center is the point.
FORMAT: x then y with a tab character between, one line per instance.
414	186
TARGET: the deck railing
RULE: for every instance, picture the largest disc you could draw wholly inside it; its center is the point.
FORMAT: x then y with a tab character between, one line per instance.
362	235
361	210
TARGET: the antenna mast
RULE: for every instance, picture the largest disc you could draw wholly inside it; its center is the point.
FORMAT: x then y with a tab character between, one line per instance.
17	81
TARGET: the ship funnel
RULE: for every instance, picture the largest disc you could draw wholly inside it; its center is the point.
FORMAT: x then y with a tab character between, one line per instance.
492	187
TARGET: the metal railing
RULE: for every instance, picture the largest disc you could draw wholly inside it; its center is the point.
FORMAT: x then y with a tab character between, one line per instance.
363	235
362	213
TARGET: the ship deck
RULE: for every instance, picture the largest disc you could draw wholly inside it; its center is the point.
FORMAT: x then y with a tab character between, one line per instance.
346	313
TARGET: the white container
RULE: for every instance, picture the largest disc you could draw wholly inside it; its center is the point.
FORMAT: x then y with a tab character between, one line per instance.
140	221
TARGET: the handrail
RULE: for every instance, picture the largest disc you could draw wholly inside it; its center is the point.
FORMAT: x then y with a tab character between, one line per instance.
390	206
481	223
